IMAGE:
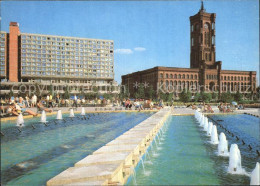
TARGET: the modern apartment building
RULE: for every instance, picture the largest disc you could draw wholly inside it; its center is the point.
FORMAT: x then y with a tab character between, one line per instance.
48	59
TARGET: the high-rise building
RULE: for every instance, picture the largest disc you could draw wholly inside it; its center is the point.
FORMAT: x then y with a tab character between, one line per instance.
204	74
49	59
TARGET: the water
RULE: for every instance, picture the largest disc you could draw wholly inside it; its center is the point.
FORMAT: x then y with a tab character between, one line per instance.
20	121
59	115
235	166
181	154
186	156
33	156
255	180
43	117
71	113
214	135
223	145
82	111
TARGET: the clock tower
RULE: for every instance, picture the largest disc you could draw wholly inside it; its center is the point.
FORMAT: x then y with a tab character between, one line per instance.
202	40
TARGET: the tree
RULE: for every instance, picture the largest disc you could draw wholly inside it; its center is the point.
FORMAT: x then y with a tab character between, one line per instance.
206	97
214	95
51	90
185	96
226	97
67	94
197	97
124	93
11	93
238	96
150	92
140	91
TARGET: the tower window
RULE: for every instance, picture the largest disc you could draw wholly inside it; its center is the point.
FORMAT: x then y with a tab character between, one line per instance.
213	40
192	28
192	42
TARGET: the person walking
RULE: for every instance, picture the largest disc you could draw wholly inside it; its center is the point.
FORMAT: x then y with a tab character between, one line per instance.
75	99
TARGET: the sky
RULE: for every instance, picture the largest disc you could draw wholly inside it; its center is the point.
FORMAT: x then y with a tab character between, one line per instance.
145	33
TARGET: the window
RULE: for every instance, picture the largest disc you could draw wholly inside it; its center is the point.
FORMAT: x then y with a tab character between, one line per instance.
161	75
167	76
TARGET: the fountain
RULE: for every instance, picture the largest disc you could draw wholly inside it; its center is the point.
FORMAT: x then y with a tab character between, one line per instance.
59	114
255	180
71	113
142	164
235	166
43	117
134	175
223	145
209	128
20	121
214	135
202	121
206	125
82	111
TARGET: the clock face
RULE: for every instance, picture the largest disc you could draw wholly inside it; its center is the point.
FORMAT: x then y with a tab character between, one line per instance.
206	26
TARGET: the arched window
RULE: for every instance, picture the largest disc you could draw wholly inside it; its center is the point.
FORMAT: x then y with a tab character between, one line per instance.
179	85
183	85
187	85
167	76
191	76
171	76
235	78
225	78
228	78
238	78
213	26
192	28
192	41
175	76
231	78
196	77
188	76
175	85
213	40
161	75
183	76
167	85
179	76
171	85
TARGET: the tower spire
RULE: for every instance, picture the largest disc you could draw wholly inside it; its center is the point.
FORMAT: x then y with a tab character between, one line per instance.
202	7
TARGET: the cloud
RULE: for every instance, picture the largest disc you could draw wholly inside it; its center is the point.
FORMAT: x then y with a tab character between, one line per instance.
123	51
139	49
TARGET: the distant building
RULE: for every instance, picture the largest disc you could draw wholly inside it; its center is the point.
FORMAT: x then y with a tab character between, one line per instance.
204	74
48	59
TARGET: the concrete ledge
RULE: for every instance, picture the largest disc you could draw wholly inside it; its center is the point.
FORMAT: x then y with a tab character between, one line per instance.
86	173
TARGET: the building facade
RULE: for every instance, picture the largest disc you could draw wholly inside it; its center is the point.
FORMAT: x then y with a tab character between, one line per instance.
48	59
204	74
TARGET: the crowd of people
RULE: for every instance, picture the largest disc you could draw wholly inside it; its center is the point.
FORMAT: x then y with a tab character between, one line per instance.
17	105
141	104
